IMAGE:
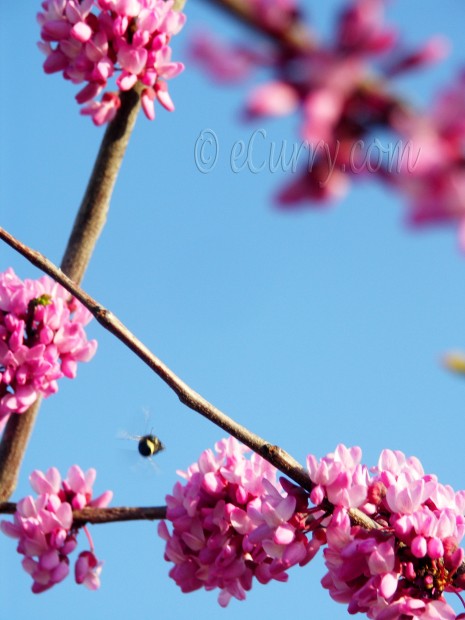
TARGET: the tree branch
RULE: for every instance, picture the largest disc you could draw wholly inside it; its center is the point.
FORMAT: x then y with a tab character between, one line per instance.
13	446
293	34
87	227
92	213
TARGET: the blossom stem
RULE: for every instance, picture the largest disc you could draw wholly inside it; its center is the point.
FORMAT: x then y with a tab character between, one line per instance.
89	537
87	227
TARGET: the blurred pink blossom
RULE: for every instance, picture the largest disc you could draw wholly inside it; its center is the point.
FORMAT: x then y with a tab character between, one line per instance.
275	13
344	94
223	62
435	184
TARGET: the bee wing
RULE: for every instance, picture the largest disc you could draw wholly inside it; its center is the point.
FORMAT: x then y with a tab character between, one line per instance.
153	465
126	435
147	416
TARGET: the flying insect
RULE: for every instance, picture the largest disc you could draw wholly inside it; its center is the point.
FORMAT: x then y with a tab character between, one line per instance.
149	445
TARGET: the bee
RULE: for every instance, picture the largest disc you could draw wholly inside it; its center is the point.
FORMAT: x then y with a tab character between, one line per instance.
149	445
455	362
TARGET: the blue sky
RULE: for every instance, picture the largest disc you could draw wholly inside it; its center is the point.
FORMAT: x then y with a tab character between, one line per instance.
311	328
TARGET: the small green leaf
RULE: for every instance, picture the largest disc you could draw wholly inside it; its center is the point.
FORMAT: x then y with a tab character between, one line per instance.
179	5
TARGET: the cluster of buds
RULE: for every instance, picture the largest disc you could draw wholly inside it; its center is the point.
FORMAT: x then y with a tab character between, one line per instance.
130	37
402	565
232	522
42	338
44	528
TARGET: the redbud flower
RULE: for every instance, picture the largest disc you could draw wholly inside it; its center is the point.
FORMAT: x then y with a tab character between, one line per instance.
42	339
403	566
340	477
232	523
128	38
87	570
44	527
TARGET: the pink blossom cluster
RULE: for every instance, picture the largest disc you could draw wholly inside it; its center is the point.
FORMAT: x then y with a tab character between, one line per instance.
435	184
42	339
400	568
233	522
274	13
343	95
44	528
130	37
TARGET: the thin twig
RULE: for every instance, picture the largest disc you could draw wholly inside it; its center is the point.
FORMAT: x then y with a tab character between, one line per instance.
118	513
7	508
293	34
104	515
87	227
124	513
